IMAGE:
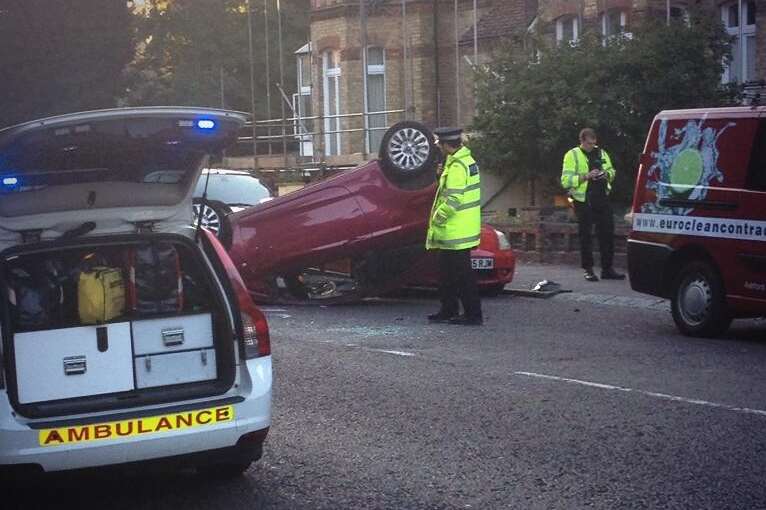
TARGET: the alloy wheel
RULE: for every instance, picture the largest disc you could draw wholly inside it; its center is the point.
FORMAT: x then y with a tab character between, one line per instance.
210	219
408	148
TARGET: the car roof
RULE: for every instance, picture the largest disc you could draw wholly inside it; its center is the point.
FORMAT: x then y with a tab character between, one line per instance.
225	171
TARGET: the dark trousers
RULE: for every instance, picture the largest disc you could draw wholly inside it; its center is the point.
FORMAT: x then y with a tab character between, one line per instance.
601	216
458	282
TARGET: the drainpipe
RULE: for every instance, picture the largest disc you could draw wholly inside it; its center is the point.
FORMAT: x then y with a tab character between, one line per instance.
741	48
437	78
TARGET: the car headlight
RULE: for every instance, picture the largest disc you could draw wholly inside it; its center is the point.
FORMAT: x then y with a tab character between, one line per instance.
502	241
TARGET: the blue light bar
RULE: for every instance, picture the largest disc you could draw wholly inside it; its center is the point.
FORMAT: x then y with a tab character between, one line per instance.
10	181
206	124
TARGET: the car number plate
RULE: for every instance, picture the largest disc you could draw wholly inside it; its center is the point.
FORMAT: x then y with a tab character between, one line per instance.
483	263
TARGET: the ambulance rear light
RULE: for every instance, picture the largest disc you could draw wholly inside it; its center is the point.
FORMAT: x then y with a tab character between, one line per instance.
255	334
255	340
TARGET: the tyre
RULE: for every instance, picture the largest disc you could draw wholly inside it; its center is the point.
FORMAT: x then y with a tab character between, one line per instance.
698	303
213	217
408	154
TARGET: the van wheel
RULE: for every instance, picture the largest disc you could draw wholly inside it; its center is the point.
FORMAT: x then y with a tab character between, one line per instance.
408	153
699	302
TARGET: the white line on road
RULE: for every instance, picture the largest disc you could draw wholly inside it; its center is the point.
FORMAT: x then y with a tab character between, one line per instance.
272	310
397	353
663	396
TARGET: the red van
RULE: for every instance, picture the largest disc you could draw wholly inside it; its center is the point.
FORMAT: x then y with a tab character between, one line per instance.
699	216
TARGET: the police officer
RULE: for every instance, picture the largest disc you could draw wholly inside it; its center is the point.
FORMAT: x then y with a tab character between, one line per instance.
588	175
454	229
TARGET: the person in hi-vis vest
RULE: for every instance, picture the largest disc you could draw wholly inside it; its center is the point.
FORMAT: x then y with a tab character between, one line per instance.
454	228
587	174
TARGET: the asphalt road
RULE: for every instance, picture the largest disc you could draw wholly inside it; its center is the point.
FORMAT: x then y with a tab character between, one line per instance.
563	403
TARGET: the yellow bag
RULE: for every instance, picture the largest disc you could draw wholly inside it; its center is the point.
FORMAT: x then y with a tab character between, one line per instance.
100	295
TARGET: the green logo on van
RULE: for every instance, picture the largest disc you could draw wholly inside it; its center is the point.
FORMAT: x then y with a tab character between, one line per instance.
686	171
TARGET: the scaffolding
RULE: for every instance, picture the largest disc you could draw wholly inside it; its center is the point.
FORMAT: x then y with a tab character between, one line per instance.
267	135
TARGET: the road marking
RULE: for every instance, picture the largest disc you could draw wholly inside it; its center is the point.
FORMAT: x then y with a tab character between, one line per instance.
663	396
396	353
273	310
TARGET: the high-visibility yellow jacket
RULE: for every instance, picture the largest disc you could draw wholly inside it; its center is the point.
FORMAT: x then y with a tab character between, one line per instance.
455	222
576	167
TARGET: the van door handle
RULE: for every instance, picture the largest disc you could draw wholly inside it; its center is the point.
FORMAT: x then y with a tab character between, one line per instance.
75	365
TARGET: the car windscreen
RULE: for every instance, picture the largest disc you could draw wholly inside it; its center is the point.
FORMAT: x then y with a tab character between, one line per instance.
232	189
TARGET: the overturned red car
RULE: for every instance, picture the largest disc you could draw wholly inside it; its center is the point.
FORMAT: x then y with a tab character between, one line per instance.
358	234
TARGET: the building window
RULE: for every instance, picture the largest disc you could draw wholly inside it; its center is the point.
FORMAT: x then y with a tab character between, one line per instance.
302	104
376	97
679	13
742	65
567	29
331	90
614	24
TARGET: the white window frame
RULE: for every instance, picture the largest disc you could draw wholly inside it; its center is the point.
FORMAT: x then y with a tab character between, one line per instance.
623	25
331	123
306	145
377	70
748	32
561	22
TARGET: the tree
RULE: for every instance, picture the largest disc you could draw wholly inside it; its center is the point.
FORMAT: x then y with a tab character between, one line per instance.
59	58
529	113
196	52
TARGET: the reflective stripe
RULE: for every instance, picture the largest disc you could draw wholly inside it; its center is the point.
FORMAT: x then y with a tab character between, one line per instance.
453	242
468	206
450	191
577	161
456	160
454	203
570	179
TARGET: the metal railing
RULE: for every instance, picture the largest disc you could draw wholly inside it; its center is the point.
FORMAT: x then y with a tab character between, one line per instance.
291	132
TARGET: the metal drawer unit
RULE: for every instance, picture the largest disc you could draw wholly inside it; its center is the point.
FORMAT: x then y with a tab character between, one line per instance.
73	362
175	368
173	334
174	350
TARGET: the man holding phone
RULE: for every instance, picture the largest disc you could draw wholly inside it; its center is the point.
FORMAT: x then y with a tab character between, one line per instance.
588	174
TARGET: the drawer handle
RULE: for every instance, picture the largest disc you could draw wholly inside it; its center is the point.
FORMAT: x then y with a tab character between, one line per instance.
148	363
173	337
75	365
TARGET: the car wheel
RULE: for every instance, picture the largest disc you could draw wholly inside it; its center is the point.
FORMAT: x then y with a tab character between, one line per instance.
408	154
699	302
213	217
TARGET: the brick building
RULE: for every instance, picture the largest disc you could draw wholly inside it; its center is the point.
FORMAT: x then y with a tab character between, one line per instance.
420	54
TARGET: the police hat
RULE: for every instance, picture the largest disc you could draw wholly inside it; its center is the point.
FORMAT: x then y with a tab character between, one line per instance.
449	134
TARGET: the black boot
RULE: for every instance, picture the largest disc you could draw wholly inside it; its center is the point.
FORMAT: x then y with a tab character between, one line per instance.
611	274
590	275
441	317
464	320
